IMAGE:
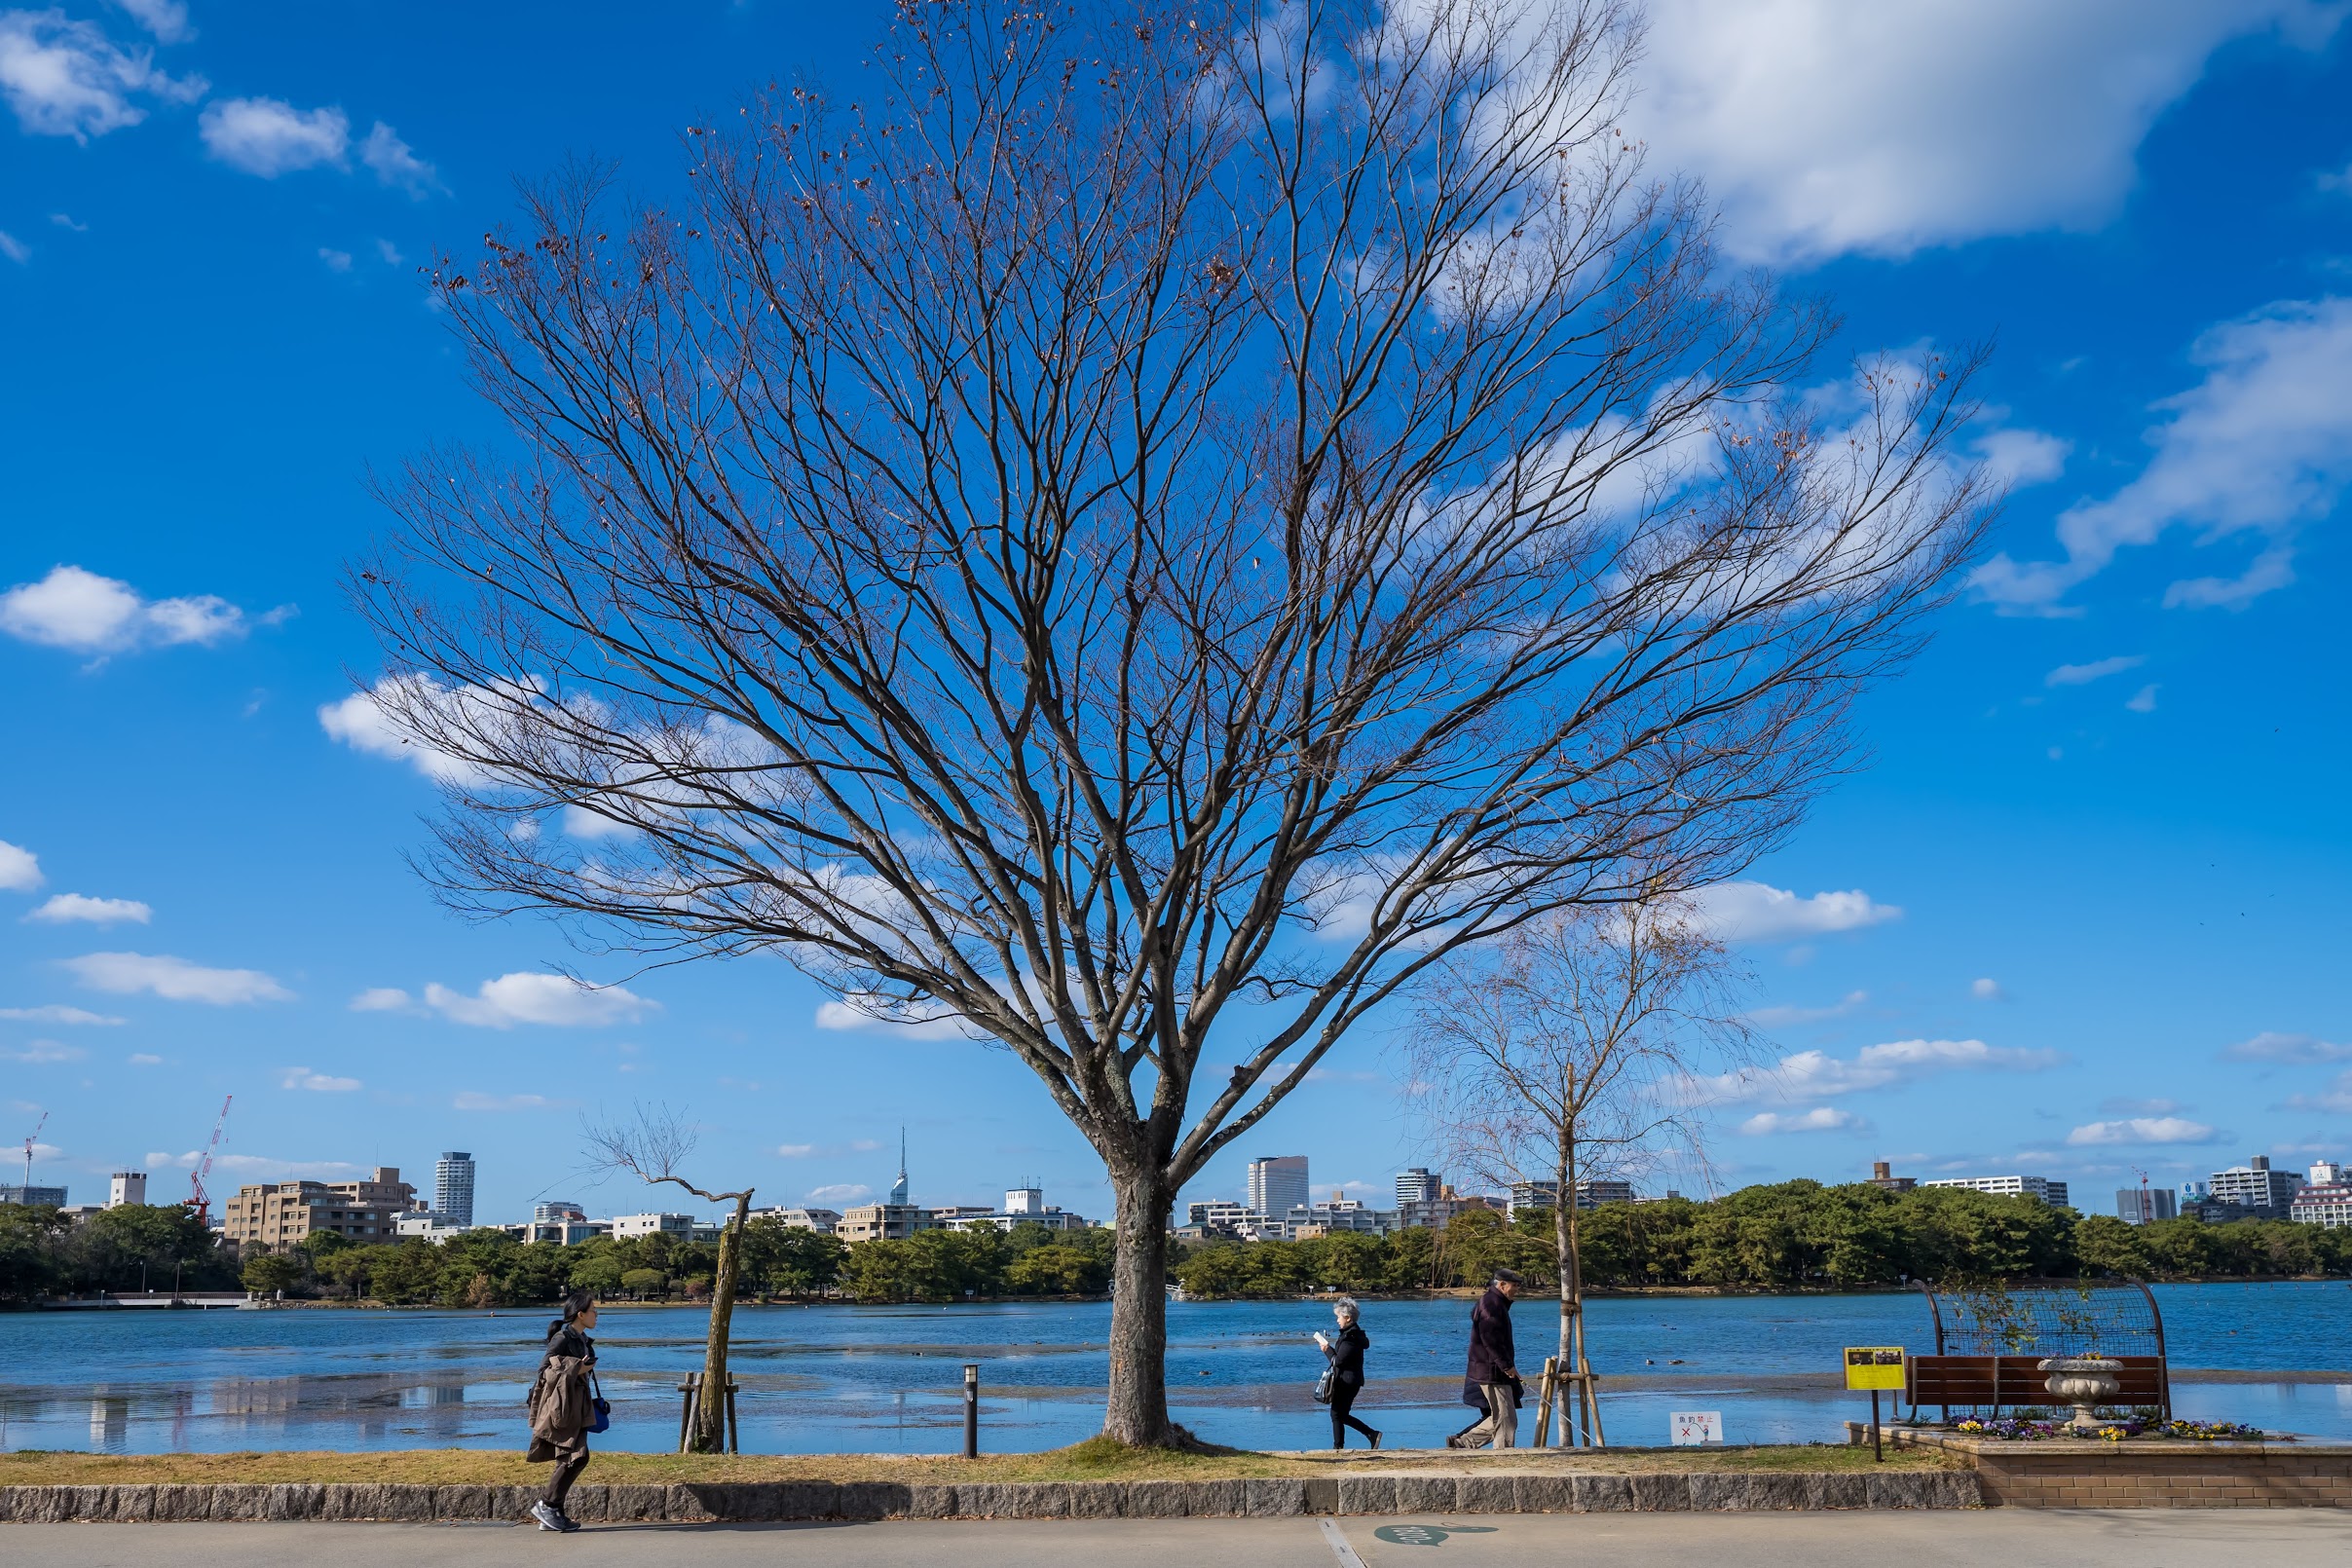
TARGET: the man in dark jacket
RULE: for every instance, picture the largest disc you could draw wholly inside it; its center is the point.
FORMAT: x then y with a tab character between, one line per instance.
1492	1383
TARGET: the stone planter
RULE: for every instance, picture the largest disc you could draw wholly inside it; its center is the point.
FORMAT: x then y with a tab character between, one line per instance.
2084	1382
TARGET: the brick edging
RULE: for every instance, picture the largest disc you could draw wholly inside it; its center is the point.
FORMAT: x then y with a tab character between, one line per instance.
776	1501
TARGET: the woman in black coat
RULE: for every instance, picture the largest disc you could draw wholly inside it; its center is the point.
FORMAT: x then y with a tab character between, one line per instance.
1345	1351
572	1354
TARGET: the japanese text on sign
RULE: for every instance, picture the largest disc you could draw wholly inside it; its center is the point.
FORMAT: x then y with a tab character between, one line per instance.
1696	1426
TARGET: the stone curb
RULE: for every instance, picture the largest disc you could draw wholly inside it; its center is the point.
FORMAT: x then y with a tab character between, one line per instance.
1403	1492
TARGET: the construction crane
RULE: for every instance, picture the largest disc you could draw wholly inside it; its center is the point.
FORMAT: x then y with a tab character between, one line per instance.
28	1153
198	1199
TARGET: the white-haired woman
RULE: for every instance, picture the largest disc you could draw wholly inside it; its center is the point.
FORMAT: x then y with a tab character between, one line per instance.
1345	1351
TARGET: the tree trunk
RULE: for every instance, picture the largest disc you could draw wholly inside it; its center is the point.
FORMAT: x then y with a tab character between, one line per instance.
709	1435
1137	1410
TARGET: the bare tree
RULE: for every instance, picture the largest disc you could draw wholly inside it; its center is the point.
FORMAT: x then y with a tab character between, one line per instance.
652	1147
1149	527
1566	1052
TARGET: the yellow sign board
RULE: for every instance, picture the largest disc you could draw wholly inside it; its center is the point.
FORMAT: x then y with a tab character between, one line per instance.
1874	1366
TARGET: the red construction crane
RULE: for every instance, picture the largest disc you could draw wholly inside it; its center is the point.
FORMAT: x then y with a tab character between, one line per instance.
28	1151
199	1200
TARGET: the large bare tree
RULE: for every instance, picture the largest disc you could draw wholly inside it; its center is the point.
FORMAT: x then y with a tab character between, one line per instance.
1565	1053
1139	528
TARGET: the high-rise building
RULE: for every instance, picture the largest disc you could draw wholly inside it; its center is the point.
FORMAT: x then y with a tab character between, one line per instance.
2053	1193
1418	1185
126	1189
898	1188
1279	1184
2254	1185
2140	1206
453	1188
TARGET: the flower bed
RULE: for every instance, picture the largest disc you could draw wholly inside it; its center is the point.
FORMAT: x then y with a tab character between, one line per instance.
2014	1429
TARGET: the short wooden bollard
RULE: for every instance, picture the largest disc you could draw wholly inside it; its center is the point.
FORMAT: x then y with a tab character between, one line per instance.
971	1411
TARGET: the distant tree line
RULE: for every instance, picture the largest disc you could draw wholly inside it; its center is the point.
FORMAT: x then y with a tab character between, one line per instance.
1794	1235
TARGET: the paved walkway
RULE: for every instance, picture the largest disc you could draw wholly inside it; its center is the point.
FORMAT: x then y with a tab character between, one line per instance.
2151	1539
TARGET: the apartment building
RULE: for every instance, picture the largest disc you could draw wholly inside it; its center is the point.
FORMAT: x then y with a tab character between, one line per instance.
275	1216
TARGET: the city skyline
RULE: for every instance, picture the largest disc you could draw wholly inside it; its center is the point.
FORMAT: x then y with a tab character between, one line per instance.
2072	920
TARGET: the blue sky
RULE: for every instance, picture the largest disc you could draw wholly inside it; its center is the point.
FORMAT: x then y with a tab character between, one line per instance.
2081	915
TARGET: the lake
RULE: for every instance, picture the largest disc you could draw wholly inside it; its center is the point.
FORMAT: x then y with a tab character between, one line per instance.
888	1379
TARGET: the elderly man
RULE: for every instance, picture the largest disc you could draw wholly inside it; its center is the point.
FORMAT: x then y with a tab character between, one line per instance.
1493	1381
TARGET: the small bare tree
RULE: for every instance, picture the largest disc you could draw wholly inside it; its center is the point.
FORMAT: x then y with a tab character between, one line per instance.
1151	526
653	1147
1565	1053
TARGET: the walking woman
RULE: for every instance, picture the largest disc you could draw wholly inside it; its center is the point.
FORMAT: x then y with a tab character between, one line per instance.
562	1407
1345	1353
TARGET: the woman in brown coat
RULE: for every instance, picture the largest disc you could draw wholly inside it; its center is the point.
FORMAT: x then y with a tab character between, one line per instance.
562	1407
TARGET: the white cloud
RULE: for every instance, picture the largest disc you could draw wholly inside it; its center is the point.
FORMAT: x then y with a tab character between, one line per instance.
2299	1049
41	1052
475	1100
1772	1018
2141	1130
848	1016
317	1082
14	248
64	220
2097	670
89	614
167	19
847	1192
142	1058
174	979
66	78
534	998
2262	445
1820	1119
1814	1074
397	163
390	253
1757	912
2017	457
1833	125
796	1151
255	1167
2337	1099
2143	700
383	999
19	869
70	906
1986	988
360	722
336	260
57	1015
270	138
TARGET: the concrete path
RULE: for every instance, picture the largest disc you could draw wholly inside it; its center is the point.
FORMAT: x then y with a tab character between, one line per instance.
2168	1539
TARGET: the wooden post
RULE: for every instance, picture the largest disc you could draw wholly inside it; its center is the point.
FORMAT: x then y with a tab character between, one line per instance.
732	1433
686	1409
1547	1386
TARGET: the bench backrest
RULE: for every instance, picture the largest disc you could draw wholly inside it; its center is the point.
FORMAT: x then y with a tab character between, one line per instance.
2017	1380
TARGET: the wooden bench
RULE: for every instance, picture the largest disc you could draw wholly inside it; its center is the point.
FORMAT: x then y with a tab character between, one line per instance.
2010	1380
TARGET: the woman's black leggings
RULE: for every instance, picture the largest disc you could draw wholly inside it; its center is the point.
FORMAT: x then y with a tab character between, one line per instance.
567	1470
1343	1399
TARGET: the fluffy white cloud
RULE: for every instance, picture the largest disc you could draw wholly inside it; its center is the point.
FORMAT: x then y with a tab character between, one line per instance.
475	1100
57	1015
534	998
841	1193
2335	1100
1817	1075
361	723
1774	1018
1985	989
66	907
142	1058
1820	1119
397	163
848	1016
167	19
317	1082
269	137
66	78
338	261
2098	669
1825	127
2299	1049
19	869
383	999
174	979
14	248
2262	445
255	1167
89	614
1757	912
2141	1130
41	1052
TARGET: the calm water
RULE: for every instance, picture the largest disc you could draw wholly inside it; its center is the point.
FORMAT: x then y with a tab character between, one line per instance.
881	1379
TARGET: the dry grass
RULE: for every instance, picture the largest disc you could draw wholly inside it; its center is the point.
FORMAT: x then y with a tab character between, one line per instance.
1088	1460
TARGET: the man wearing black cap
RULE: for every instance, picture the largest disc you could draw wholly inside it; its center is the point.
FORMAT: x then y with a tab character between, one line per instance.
1493	1381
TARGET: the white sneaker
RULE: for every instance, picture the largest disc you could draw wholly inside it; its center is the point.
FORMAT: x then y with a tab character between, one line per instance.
549	1519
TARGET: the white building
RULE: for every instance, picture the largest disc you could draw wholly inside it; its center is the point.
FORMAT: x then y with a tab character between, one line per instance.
2053	1193
2328	1174
824	1222
2329	1207
681	1226
1022	1205
564	1230
1279	1184
1418	1184
127	1188
2254	1185
452	1187
1340	1214
433	1227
